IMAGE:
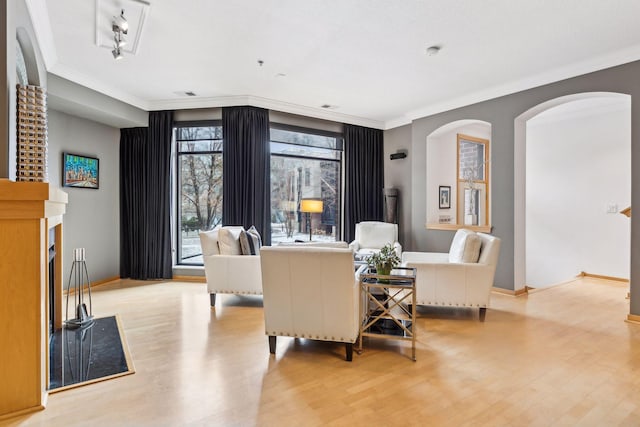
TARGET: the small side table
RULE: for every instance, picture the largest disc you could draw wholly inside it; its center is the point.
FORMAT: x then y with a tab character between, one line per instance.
382	305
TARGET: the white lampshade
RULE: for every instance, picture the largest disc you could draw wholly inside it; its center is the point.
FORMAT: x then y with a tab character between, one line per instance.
311	205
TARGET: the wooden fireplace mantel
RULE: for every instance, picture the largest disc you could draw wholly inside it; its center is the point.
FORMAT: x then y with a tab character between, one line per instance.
29	213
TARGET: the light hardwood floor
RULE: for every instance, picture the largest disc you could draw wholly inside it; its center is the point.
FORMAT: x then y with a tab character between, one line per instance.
560	356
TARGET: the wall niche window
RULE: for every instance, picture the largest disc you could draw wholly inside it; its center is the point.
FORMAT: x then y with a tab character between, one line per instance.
458	158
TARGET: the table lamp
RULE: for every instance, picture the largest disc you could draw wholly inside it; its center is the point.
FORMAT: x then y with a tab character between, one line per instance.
310	206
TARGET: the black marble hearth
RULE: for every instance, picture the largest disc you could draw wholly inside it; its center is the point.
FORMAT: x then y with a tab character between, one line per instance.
87	354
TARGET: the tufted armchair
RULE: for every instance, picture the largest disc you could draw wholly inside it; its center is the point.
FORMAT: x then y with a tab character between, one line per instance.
310	292
371	236
229	274
461	278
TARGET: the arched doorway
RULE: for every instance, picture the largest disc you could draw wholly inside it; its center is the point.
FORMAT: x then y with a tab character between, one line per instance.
572	174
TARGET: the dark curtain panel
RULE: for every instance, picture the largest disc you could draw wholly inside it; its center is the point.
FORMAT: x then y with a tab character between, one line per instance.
145	174
133	252
246	175
158	201
364	177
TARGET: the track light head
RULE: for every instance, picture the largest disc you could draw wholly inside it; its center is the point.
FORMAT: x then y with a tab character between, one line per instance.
120	24
117	53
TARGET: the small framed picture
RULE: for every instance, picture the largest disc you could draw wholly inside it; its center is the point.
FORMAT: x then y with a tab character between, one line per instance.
445	197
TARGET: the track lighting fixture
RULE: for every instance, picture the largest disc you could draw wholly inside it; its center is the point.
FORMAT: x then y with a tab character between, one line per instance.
120	27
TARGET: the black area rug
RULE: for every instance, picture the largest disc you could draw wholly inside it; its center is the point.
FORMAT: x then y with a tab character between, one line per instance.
90	354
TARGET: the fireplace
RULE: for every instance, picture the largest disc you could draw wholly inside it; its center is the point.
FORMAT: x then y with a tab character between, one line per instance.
31	267
52	281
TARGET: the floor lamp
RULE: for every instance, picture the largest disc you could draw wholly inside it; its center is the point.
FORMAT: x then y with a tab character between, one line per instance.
310	206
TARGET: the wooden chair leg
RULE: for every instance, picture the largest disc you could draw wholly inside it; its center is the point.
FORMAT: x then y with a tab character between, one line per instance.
483	313
349	349
272	344
212	297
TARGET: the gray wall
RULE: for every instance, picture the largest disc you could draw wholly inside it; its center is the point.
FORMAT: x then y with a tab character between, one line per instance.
501	113
397	174
92	220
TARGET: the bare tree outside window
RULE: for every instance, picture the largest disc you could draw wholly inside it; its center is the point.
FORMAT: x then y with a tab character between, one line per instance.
200	187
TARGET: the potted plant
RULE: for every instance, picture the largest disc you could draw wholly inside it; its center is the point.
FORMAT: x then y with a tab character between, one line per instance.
385	260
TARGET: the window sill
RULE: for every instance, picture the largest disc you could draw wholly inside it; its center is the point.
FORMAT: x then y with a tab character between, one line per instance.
453	227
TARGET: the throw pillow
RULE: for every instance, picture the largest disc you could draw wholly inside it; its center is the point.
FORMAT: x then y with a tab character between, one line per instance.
465	247
250	241
229	240
209	242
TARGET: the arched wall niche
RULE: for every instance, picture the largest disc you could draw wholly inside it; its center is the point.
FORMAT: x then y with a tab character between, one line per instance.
520	171
441	160
30	57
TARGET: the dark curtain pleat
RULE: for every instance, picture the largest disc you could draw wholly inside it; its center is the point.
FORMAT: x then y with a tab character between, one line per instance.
158	202
246	175
145	179
133	253
364	177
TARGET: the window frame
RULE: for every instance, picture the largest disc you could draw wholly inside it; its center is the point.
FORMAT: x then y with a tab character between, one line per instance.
177	190
340	161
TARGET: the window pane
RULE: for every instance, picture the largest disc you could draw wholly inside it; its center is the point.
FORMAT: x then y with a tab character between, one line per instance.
199	177
301	150
306	139
191	133
289	177
199	146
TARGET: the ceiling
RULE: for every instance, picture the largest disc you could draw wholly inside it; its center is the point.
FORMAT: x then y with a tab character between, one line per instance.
364	58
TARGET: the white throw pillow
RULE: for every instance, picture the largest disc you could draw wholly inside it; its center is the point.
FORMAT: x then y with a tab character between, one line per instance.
229	240
209	242
465	247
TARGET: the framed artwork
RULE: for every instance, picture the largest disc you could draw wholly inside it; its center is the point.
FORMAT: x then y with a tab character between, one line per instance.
444	197
80	171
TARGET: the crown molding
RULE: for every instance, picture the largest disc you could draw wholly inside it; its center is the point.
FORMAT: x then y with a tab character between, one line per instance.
590	65
271	104
39	15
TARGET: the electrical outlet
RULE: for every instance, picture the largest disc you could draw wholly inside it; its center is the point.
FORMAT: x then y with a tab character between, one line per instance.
612	208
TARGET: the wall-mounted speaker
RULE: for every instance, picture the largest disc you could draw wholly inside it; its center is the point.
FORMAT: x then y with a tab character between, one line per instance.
399	155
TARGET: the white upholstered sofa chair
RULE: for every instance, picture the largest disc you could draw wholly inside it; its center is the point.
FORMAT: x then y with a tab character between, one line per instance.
229	274
371	236
461	278
310	292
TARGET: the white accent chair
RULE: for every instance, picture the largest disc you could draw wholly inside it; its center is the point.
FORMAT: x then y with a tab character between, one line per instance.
371	236
310	292
444	282
229	274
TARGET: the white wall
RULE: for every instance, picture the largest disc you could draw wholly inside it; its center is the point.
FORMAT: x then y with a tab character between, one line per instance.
578	163
92	220
441	165
397	174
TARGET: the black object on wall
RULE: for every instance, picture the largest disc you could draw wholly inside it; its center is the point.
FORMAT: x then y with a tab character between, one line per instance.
145	171
246	156
364	176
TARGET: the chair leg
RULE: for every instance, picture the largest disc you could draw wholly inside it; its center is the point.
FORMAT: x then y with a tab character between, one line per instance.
213	299
483	313
272	344
349	349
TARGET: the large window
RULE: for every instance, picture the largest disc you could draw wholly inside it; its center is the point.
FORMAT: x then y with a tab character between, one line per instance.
199	185
305	164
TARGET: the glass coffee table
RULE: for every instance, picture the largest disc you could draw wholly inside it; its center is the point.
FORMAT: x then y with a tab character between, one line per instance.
383	300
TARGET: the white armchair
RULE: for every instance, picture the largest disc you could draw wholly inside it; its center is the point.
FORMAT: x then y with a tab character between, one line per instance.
455	278
229	274
371	236
310	292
